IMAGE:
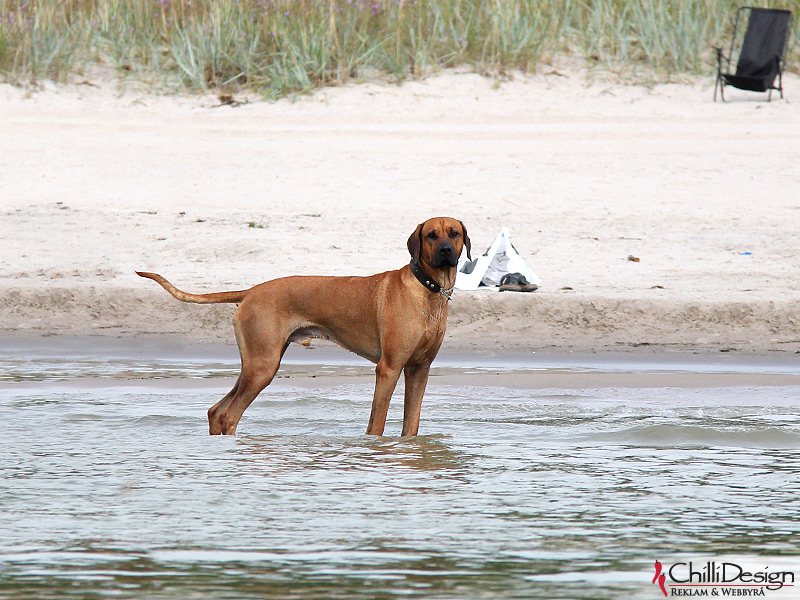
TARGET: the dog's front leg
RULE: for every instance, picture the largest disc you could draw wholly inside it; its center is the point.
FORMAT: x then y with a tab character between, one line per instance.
386	377
416	379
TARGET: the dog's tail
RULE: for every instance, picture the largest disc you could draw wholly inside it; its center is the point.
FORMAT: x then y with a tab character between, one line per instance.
215	298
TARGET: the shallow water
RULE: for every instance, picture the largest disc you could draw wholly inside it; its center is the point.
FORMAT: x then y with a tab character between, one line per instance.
112	488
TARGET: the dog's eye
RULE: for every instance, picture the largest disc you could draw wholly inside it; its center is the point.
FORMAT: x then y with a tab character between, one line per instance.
454	234
432	235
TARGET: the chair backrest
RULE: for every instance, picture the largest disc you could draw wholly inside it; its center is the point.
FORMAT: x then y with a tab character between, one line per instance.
764	43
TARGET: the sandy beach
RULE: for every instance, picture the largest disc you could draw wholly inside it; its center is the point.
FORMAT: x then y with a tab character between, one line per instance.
98	181
626	412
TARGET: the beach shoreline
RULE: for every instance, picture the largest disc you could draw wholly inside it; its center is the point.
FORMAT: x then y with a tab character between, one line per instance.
509	357
174	364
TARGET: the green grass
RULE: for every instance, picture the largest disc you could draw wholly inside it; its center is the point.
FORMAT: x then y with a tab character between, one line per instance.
280	47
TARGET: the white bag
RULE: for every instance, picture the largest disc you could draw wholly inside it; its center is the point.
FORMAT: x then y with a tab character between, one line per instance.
487	270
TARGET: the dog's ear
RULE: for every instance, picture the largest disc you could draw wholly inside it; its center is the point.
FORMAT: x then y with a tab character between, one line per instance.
467	242
415	243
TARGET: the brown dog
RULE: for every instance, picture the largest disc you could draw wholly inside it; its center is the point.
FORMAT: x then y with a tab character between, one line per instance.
395	319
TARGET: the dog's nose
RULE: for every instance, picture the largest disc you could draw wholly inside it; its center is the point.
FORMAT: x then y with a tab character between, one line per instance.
445	249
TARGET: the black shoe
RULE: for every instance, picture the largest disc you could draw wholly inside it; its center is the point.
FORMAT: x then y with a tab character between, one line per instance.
516	282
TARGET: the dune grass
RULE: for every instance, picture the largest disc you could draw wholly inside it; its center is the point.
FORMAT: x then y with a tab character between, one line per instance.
279	47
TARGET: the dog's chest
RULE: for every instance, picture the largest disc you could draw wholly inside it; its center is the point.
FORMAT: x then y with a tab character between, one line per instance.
434	323
435	318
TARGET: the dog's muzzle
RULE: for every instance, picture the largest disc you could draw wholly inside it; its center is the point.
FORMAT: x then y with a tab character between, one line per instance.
445	256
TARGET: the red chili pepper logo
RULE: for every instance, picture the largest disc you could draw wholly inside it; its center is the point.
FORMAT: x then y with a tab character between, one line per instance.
660	577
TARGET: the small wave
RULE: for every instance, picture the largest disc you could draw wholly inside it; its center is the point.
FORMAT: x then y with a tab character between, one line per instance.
693	435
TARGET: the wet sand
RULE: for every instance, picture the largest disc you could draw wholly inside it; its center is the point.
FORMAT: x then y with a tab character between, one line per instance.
154	360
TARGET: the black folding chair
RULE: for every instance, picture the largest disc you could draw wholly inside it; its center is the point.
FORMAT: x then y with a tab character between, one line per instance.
761	54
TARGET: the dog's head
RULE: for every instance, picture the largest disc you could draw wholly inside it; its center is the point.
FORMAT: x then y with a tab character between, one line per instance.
438	242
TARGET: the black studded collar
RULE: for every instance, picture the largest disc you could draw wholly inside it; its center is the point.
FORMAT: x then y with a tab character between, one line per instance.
429	283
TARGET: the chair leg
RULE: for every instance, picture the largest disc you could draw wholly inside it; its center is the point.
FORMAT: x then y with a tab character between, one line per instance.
719	83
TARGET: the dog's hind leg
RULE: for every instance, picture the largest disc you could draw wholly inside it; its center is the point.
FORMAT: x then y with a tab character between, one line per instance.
261	348
255	377
214	427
